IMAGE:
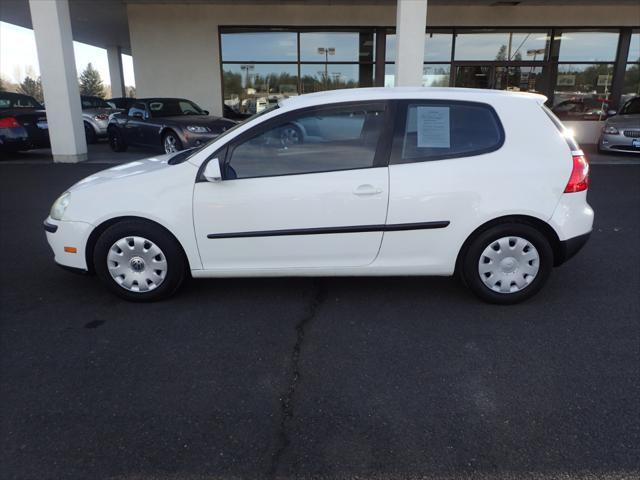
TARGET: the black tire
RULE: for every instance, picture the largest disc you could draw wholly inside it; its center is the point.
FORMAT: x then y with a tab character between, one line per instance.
116	140
176	263
473	253
176	140
90	133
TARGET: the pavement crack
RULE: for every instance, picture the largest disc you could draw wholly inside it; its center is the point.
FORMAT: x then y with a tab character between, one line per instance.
287	400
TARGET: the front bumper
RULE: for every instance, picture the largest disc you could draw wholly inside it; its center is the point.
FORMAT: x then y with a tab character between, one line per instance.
73	235
619	143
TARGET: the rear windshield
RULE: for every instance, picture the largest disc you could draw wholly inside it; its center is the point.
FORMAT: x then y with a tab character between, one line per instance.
566	133
18	101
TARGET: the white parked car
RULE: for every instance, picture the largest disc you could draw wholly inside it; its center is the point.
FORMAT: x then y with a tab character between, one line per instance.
378	181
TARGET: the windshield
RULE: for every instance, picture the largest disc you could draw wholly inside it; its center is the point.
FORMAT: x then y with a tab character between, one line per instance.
172	107
632	107
225	133
18	101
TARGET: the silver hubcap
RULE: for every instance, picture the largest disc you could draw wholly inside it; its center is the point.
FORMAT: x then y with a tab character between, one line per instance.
170	145
137	264
509	264
289	136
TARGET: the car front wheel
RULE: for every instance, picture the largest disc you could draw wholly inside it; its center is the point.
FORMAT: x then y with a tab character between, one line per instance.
507	263
139	261
171	143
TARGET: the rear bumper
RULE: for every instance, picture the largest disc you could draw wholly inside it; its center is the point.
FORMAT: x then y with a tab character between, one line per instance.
13	139
568	248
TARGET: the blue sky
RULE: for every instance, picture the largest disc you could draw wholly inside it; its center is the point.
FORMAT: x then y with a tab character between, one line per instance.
18	56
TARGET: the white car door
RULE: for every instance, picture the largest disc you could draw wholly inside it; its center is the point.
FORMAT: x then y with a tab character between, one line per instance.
290	198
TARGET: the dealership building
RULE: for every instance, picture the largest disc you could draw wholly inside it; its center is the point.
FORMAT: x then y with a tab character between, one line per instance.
584	55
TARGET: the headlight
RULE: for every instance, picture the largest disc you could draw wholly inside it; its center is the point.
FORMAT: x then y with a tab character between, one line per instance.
198	129
59	206
610	129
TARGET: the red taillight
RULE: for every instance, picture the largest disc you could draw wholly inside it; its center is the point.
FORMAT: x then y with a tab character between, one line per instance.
9	122
579	179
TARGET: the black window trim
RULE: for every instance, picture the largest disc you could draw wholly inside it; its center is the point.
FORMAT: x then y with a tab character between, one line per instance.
400	123
383	147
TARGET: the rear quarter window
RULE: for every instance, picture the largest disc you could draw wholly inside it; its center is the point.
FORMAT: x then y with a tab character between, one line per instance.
437	130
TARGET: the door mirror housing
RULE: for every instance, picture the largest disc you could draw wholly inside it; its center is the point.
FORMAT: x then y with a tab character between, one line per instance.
212	172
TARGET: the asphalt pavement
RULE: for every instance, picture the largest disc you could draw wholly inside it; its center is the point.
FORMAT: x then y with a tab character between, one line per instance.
385	378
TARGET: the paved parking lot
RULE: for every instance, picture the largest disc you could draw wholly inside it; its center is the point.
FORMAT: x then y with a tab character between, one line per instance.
388	378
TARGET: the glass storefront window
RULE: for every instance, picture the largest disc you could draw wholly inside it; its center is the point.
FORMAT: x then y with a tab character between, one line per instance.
336	47
502	46
634	47
259	46
249	88
582	91
436	75
315	77
433	75
581	46
437	47
631	86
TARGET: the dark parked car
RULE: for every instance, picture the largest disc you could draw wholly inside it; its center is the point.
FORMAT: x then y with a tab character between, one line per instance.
121	103
172	124
23	123
233	114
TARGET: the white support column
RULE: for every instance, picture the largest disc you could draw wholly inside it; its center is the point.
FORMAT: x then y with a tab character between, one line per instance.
411	24
54	41
114	57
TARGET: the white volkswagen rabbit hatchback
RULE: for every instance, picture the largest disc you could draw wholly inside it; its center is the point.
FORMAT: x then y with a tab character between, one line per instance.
377	181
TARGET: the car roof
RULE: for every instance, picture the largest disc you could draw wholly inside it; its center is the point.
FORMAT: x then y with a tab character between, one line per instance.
398	93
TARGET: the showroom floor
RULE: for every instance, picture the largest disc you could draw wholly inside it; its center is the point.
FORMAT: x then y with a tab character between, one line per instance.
378	378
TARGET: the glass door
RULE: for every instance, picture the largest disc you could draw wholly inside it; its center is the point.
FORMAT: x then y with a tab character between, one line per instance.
519	78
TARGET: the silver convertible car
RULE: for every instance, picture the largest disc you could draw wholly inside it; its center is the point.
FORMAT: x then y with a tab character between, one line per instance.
621	133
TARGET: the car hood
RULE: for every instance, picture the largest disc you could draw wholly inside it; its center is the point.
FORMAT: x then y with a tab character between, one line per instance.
630	121
137	167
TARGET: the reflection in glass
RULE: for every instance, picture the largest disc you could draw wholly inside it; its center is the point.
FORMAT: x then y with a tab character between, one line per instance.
634	47
318	77
582	91
250	88
342	47
587	46
502	46
437	47
259	46
519	79
631	85
436	75
473	77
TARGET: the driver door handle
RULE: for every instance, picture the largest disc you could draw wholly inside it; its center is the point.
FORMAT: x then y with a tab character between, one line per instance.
367	189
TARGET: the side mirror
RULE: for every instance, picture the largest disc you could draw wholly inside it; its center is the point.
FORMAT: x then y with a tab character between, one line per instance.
212	171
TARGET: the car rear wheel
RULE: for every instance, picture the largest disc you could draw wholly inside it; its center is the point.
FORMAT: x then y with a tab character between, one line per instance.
139	261
90	133
116	141
171	143
508	263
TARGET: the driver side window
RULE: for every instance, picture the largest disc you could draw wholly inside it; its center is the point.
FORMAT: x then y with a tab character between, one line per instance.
137	108
325	140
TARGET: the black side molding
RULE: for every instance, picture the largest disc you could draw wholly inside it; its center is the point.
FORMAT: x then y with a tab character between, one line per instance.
50	227
398	227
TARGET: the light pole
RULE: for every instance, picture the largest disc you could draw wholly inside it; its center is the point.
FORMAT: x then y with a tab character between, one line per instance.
247	67
326	51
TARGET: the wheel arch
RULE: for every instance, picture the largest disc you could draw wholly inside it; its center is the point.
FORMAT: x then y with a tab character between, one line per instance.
102	227
540	225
